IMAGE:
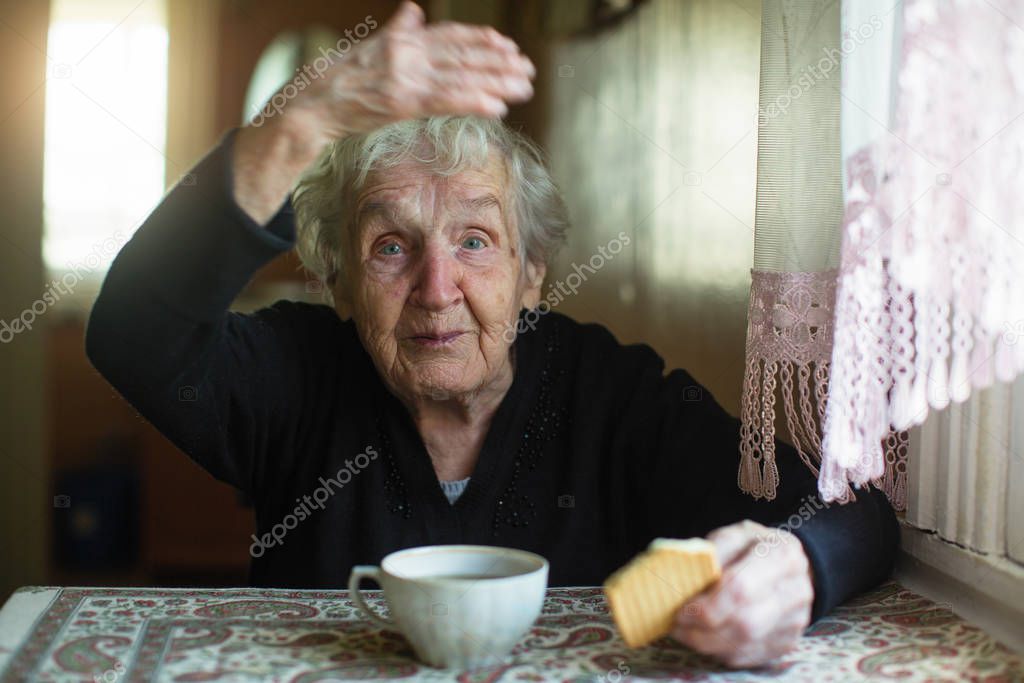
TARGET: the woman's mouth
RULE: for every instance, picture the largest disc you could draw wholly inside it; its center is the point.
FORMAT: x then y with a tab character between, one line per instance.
436	340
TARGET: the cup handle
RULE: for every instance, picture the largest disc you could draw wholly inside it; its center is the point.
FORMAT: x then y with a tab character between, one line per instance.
360	572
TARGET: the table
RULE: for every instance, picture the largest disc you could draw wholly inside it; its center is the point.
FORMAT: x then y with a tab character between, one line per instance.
141	634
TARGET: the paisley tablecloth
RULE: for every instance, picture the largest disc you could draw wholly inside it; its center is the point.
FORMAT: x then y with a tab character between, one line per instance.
122	635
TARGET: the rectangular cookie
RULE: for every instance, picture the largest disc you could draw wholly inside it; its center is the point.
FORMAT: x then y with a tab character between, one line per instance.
645	594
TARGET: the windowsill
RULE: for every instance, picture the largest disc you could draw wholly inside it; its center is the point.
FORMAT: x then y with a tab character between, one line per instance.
988	591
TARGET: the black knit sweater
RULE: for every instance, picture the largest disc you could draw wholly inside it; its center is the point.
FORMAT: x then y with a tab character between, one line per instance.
593	451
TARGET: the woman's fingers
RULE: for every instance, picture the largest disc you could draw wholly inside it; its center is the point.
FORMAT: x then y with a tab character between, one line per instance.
732	540
508	88
410	69
481	59
466	91
408	17
742	583
452	68
450	32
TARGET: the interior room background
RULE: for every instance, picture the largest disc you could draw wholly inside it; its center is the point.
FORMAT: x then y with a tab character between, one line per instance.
649	120
648	113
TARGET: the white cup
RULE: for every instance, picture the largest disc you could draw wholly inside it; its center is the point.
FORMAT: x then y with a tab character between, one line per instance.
459	606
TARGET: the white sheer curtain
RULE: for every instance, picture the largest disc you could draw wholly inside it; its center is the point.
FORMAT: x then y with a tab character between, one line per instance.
796	235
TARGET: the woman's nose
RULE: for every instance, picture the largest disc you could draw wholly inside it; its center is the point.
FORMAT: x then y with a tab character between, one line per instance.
437	285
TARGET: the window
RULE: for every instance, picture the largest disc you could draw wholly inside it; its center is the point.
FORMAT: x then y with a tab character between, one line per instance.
106	122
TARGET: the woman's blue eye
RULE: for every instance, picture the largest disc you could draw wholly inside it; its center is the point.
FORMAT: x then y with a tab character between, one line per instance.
391	249
473	243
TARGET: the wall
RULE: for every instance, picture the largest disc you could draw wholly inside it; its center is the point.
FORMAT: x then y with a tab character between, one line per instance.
652	134
24	488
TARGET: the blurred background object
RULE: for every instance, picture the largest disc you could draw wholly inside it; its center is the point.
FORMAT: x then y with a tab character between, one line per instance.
647	110
100	531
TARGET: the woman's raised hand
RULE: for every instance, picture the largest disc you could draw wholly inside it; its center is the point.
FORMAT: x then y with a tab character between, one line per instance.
406	70
409	70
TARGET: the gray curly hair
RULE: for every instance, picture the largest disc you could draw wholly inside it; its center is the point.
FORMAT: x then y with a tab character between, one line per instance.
324	198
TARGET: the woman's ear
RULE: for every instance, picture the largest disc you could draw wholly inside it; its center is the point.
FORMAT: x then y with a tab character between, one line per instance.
534	276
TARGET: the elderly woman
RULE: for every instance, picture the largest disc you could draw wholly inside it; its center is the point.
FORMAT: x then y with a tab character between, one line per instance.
420	408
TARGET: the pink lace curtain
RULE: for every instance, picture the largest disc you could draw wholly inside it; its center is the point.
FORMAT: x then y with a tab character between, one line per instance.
927	301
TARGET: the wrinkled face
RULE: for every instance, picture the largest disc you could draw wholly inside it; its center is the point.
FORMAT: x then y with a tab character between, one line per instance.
434	281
